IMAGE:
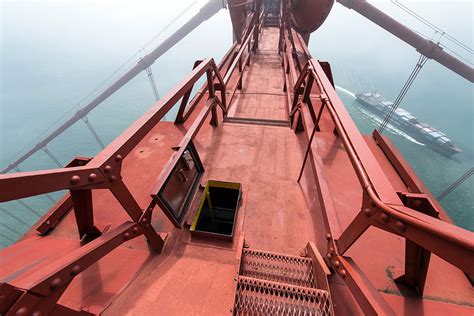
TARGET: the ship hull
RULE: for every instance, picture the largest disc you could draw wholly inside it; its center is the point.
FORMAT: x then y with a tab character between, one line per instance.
410	130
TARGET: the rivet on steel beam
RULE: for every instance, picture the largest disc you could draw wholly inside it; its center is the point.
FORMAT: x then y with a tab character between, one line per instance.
328	236
135	230
75	179
417	203
55	283
385	217
108	169
337	263
92	177
22	311
401	226
127	236
112	178
331	249
144	220
118	158
48	222
328	255
36	313
75	270
343	273
367	212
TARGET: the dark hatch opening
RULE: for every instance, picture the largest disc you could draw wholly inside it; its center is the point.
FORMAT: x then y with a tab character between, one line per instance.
217	211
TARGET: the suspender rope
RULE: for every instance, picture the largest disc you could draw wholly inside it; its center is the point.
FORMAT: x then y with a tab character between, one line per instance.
94	133
456	184
52	157
421	62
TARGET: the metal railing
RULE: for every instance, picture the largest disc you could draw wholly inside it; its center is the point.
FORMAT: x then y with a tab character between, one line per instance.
83	175
414	219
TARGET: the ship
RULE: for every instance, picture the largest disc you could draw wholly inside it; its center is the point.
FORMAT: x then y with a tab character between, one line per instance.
408	123
261	197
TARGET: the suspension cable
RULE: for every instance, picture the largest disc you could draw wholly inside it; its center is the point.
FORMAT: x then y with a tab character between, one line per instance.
416	70
456	184
149	73
432	26
95	92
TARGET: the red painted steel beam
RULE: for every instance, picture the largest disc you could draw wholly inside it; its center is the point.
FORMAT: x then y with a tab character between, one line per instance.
238	17
450	242
123	144
242	49
366	295
84	214
422	45
190	134
131	206
44	287
56	213
25	184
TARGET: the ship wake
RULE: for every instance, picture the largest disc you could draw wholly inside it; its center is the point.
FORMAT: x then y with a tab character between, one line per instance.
377	120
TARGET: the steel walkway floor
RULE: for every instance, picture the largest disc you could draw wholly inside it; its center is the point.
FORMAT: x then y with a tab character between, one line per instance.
265	160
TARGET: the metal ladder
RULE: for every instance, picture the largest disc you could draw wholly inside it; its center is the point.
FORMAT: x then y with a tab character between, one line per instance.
279	284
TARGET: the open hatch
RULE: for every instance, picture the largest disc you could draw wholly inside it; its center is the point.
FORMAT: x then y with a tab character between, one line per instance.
217	210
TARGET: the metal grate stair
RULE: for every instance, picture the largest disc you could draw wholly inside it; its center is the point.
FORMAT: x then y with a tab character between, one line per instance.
278	284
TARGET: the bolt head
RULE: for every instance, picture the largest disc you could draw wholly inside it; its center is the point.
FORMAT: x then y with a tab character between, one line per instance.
75	179
385	217
144	220
22	311
127	236
112	178
337	263
328	236
367	212
135	229
328	255
75	270
401	226
118	158
343	273
108	169
92	177
36	313
55	283
331	249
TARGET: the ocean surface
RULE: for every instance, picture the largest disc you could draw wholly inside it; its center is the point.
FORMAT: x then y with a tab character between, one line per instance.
55	53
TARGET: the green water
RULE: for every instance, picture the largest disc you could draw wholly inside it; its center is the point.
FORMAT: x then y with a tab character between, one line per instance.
53	53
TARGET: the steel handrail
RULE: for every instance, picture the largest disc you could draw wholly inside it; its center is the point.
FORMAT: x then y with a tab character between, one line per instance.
438	228
19	185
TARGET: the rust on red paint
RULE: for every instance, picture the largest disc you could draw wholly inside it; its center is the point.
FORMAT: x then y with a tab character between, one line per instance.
350	204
